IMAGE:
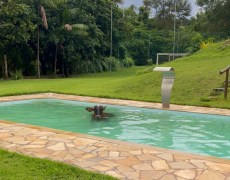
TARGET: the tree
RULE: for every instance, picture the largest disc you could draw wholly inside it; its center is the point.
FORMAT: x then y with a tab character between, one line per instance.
111	31
215	16
143	15
64	47
15	26
63	23
39	6
145	44
80	52
165	11
41	12
209	4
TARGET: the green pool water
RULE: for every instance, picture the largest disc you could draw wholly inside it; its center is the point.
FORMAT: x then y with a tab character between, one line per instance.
190	132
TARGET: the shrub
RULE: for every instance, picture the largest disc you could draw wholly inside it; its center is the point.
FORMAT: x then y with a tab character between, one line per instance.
206	44
195	43
111	63
225	45
16	75
128	62
150	62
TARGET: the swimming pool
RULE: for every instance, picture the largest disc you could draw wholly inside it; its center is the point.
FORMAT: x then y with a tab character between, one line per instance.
190	132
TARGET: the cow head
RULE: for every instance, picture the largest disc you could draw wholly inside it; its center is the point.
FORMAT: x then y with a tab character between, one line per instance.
98	111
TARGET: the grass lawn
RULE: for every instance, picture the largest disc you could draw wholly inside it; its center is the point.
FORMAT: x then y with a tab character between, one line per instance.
196	77
16	166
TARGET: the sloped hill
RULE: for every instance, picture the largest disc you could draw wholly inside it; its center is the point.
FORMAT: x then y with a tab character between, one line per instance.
196	77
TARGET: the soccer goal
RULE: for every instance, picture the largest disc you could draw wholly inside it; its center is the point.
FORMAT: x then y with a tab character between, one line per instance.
171	56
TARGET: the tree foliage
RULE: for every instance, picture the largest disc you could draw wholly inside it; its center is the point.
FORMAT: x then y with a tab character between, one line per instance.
214	19
75	35
164	11
16	28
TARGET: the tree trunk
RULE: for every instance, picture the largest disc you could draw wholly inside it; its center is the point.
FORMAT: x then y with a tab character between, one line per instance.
55	61
63	64
5	68
63	69
67	69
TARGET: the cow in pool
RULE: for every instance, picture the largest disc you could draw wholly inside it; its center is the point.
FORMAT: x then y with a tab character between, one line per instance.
98	111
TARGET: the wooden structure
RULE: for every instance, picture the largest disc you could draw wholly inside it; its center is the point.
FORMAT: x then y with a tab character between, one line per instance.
225	70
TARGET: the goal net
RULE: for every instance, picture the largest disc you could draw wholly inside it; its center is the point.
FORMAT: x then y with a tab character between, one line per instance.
165	57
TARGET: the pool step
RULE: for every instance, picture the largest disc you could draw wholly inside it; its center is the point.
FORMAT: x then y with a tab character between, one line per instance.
218	89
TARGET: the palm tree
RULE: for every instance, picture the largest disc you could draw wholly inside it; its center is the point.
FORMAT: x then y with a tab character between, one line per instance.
42	15
79	29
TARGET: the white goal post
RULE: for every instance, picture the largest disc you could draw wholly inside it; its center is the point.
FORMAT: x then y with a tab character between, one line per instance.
170	55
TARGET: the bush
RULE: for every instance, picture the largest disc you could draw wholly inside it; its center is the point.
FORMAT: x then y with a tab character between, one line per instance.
225	45
150	62
16	75
128	62
196	40
111	63
206	44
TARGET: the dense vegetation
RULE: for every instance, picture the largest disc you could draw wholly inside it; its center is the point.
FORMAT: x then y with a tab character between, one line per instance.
68	37
16	166
196	77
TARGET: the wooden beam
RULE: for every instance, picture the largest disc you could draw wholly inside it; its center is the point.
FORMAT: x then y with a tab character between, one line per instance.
224	70
226	85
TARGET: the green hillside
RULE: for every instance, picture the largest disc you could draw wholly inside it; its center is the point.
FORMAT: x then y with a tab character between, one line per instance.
196	77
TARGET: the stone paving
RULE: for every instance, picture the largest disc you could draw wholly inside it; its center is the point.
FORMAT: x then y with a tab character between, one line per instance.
120	159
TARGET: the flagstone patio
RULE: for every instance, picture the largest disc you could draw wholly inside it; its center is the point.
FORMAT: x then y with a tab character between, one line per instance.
117	158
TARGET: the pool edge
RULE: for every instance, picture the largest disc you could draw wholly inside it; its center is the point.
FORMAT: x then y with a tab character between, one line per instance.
120	159
165	150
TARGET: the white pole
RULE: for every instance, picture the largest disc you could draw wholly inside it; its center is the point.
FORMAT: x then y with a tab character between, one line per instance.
174	36
111	34
149	49
111	31
157	59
